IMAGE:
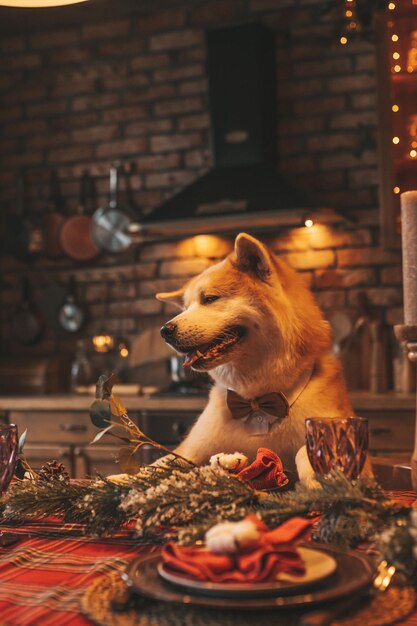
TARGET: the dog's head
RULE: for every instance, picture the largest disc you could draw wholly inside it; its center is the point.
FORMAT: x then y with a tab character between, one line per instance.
249	308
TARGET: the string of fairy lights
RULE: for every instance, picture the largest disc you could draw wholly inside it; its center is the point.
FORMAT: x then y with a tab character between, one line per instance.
403	61
354	15
351	21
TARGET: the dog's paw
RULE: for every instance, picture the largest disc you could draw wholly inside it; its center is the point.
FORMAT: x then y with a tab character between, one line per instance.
304	469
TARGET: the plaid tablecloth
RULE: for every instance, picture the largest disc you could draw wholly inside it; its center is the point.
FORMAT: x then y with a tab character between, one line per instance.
44	576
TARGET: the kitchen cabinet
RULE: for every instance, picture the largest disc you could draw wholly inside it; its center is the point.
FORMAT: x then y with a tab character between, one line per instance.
65	436
92	460
397	111
390	432
391	421
166	427
37	454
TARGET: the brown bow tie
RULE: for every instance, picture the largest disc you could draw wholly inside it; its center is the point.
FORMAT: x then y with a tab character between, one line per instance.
274	403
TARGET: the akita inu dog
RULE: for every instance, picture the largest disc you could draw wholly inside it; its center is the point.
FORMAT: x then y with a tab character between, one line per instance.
252	323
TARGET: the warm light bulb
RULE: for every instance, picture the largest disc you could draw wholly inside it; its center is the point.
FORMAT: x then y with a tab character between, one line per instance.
124	352
397	68
349	13
37	4
410	69
396	55
394	37
413	153
308	223
396	190
414	144
395	108
343	40
395	140
391	6
103	342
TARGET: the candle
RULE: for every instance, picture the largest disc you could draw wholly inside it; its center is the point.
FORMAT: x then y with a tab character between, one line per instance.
409	245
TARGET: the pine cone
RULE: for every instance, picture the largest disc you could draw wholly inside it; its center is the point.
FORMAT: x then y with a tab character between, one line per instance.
339	529
53	471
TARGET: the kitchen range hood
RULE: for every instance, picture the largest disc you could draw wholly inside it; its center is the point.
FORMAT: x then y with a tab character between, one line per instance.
244	188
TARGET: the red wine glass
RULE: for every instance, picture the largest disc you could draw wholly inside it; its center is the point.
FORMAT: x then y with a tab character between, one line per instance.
334	442
9	447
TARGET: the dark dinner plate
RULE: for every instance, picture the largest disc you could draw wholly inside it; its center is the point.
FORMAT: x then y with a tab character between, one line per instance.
354	572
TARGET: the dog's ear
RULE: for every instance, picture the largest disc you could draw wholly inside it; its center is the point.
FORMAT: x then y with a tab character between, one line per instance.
173	297
252	256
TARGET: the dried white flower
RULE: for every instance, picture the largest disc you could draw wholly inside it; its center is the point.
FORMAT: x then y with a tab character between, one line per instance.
231	462
228	537
413	530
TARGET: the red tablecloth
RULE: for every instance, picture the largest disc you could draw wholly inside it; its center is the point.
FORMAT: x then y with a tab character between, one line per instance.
43	578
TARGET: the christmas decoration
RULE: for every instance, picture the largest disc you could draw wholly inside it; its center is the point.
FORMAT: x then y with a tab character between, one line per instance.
229	537
52	470
178	501
354	18
266	555
232	462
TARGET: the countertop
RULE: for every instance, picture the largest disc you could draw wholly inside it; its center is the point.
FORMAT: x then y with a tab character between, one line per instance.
81	402
361	400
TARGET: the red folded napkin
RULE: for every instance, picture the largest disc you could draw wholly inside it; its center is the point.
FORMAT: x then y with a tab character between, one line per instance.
266	472
273	554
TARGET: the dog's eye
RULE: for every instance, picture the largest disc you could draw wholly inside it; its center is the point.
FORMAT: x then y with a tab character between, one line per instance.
208	299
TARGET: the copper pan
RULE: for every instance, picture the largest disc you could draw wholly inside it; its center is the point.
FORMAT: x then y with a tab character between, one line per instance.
75	236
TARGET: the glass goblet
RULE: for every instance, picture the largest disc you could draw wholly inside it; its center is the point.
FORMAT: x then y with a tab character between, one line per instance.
334	442
9	446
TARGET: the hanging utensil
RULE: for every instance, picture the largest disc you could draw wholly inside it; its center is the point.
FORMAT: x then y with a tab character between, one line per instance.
26	323
103	341
25	237
76	236
71	316
110	225
53	219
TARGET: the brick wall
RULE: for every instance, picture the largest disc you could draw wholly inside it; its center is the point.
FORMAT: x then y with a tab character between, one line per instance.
135	89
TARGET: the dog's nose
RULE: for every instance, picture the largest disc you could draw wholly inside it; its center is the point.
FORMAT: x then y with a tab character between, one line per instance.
168	331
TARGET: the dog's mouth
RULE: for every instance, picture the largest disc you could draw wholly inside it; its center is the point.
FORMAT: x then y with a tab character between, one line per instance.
206	353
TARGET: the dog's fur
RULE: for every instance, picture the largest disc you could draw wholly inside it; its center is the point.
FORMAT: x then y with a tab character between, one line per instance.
285	335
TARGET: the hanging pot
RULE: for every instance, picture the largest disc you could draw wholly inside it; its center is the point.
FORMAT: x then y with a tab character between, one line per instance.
26	323
53	220
110	225
71	316
76	236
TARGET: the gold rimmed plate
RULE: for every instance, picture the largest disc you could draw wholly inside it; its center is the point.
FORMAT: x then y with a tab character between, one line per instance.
354	572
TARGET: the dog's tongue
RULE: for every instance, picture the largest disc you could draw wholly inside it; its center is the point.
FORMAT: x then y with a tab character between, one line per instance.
191	358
